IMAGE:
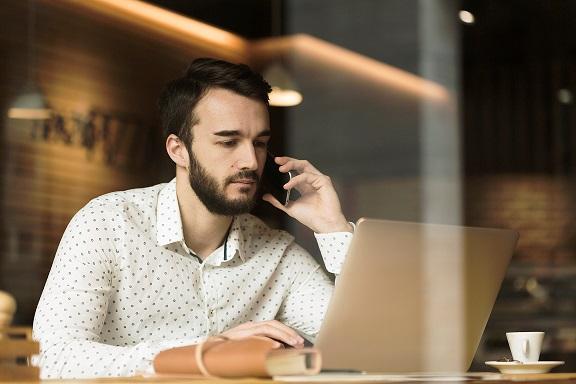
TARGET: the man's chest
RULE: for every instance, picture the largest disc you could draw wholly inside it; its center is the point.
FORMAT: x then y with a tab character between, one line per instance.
163	293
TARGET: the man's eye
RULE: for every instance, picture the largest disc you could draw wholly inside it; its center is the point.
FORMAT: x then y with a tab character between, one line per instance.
228	143
260	144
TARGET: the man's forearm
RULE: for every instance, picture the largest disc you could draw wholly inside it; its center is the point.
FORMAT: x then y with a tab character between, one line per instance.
74	359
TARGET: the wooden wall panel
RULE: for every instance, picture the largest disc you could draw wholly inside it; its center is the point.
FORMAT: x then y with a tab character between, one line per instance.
84	64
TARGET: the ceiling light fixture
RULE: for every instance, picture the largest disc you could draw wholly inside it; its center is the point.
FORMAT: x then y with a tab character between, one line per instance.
30	103
466	17
565	96
284	93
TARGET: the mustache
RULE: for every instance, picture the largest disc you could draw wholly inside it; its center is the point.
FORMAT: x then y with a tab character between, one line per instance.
244	175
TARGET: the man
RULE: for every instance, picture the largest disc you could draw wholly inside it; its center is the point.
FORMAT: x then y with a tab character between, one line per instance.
144	270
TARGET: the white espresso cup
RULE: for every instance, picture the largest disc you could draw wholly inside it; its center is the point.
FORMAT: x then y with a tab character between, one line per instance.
525	346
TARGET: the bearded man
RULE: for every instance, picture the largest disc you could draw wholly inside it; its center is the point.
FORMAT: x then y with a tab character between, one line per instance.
144	270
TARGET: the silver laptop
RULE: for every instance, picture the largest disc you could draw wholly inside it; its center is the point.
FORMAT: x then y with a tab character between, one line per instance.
413	297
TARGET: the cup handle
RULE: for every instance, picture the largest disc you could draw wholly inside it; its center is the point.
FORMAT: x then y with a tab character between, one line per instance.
525	348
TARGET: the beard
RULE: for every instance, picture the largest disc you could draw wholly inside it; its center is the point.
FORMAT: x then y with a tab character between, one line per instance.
213	195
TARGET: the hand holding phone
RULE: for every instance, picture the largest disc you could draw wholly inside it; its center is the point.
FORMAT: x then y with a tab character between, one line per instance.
316	204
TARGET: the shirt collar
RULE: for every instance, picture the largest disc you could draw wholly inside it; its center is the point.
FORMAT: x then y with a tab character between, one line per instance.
235	240
168	221
169	224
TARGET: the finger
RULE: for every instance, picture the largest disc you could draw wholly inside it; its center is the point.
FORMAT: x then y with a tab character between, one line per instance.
290	163
297	341
275	343
272	329
307	182
284	334
281	327
238	335
266	330
272	200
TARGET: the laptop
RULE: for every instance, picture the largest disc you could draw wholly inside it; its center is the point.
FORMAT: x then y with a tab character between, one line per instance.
413	297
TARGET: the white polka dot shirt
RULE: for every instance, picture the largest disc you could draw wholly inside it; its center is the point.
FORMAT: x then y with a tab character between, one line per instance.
124	286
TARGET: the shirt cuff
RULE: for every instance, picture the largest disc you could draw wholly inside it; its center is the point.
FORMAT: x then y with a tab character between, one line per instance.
334	247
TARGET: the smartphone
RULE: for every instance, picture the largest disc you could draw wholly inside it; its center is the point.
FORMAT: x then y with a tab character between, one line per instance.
273	180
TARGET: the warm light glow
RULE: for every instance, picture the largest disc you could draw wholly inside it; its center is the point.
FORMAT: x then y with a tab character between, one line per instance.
29	113
325	55
29	104
284	97
565	96
152	19
284	90
206	40
466	17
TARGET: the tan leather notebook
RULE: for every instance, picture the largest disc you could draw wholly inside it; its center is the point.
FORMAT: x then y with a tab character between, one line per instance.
250	357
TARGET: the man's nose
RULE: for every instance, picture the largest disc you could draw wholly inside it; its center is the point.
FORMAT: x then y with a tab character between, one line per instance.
248	159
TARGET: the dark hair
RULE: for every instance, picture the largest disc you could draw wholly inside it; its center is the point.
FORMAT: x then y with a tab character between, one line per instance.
180	96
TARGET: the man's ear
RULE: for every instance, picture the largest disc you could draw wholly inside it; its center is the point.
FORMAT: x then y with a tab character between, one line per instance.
177	151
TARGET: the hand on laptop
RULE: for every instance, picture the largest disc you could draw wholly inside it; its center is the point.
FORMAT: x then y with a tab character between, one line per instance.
272	329
318	207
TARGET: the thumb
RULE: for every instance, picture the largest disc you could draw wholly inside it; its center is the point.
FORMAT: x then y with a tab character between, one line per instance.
272	200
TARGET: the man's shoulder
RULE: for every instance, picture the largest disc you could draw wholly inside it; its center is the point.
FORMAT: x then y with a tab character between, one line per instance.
143	199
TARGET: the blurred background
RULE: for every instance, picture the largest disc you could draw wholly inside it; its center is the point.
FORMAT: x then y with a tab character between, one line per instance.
444	111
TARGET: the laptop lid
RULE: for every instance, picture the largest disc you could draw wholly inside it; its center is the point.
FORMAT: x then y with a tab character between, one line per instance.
413	297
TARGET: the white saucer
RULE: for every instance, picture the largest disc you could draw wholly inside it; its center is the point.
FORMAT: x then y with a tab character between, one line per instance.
512	367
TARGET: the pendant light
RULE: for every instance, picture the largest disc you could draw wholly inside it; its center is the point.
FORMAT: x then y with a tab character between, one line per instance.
30	103
284	90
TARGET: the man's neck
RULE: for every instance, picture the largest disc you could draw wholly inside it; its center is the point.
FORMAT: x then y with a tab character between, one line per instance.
203	231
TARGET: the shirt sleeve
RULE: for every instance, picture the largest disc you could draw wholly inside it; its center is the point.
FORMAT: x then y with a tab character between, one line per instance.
71	312
307	299
334	247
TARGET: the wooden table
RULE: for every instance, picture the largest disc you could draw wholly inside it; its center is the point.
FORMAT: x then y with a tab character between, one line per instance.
551	378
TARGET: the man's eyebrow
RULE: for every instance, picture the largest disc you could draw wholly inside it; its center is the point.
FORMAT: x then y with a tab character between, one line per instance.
237	133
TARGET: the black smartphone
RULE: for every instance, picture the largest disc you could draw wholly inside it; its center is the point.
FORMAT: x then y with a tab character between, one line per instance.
273	180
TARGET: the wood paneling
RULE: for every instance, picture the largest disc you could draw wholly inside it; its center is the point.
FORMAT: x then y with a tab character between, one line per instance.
83	64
